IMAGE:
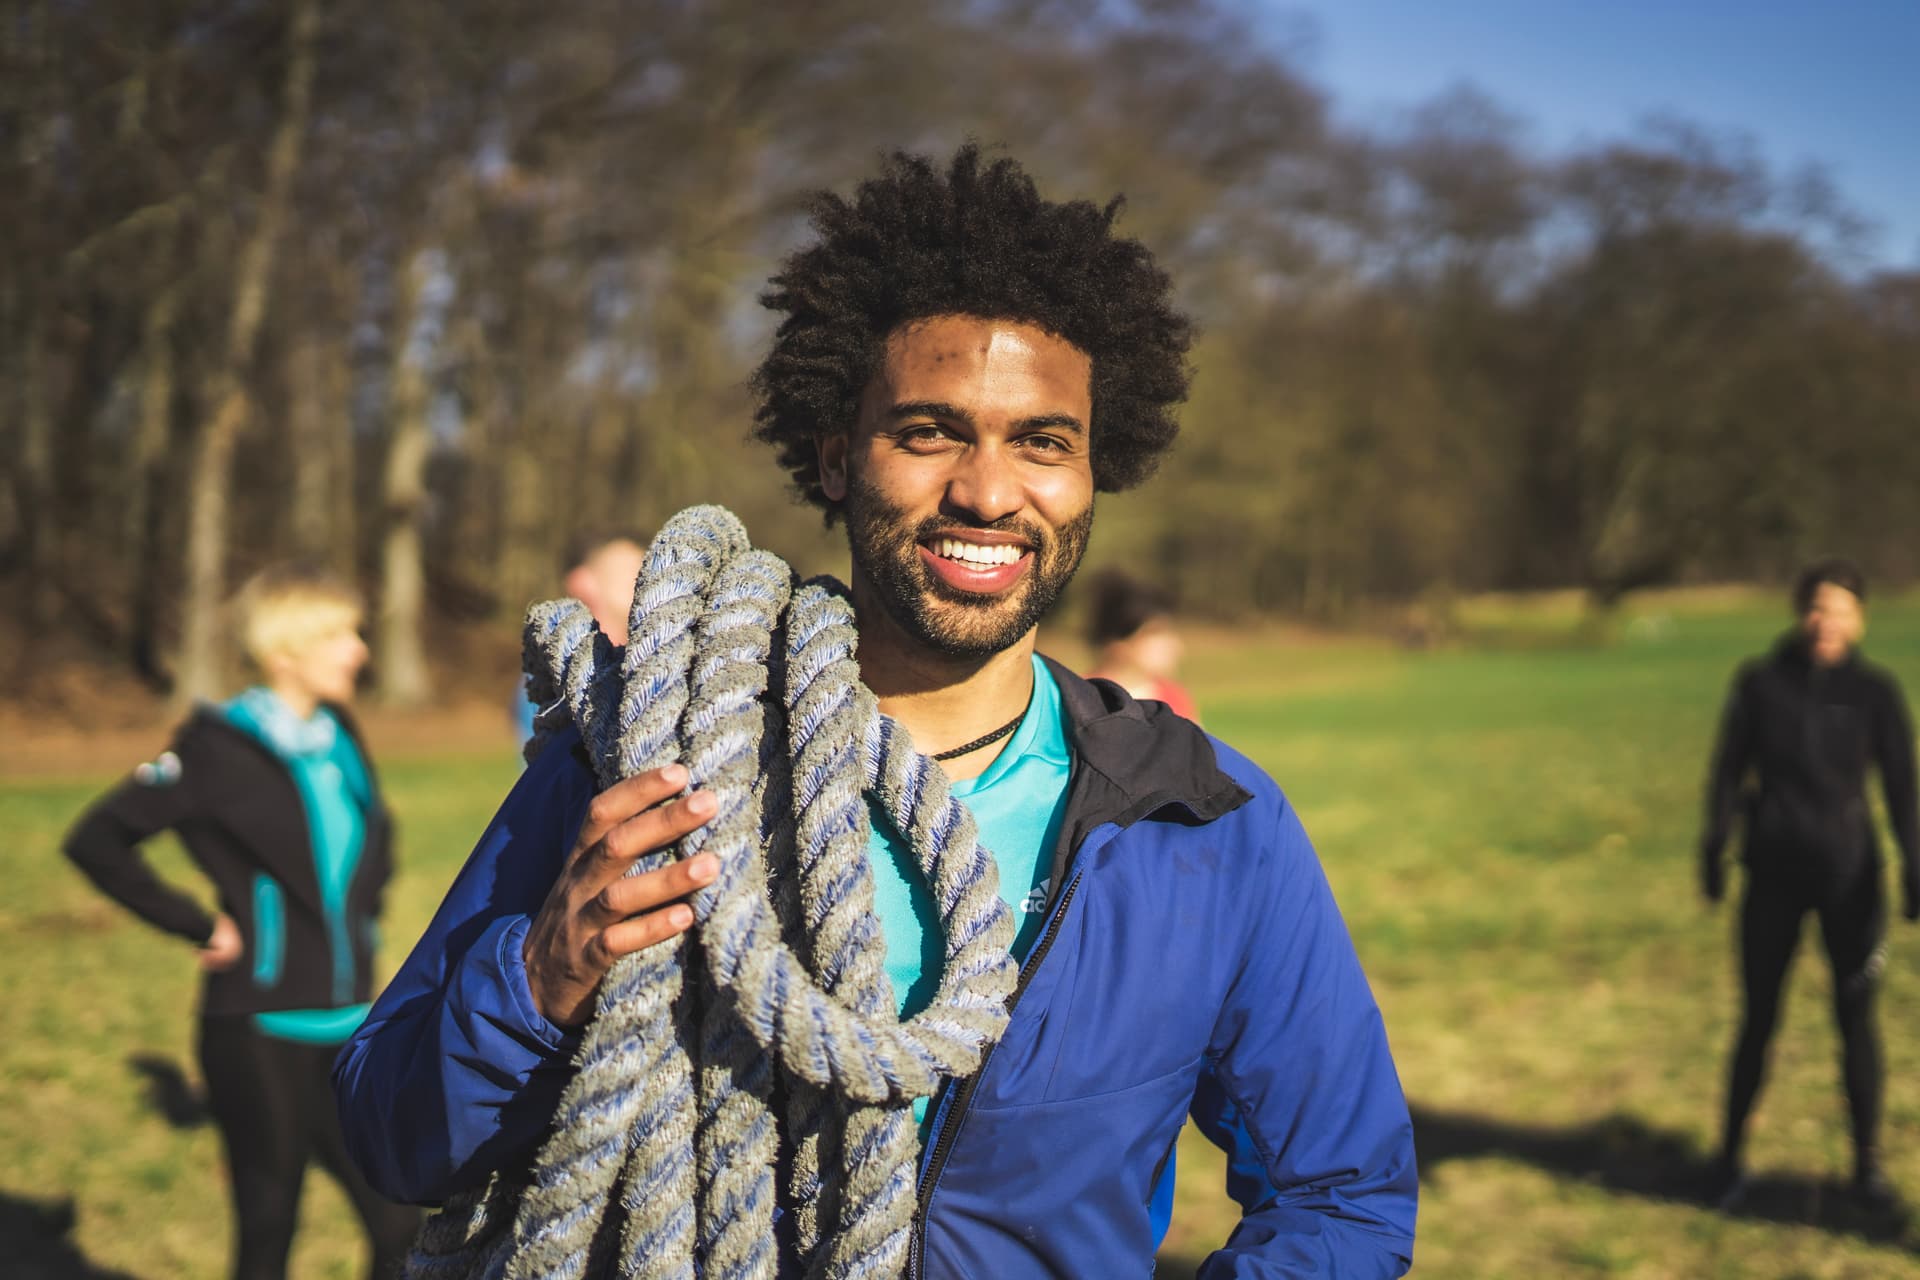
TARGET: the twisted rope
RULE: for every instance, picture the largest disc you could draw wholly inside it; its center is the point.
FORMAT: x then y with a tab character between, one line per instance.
776	1021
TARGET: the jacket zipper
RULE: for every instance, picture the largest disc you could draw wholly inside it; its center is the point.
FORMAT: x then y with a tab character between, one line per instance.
950	1127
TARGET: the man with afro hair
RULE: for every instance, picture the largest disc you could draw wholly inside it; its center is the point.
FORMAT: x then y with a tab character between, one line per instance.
960	366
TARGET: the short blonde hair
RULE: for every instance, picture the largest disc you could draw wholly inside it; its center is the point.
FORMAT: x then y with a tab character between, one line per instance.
285	608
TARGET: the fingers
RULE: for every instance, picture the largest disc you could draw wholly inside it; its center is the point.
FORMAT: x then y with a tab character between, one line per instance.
630	895
626	798
641	931
648	832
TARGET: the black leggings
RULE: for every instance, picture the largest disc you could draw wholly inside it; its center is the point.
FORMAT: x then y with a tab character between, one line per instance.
1852	925
275	1110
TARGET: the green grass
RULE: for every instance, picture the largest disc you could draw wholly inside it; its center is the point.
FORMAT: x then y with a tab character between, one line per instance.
1510	835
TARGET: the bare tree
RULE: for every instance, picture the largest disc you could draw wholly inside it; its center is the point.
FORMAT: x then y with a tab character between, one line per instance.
225	400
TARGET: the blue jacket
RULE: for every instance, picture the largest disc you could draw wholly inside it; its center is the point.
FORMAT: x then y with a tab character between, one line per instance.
1193	962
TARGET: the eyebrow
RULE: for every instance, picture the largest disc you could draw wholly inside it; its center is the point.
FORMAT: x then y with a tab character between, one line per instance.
954	413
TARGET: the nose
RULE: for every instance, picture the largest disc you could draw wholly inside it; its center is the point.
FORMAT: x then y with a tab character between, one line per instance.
985	485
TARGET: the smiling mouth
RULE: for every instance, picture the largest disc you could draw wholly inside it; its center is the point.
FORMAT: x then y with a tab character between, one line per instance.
976	568
975	555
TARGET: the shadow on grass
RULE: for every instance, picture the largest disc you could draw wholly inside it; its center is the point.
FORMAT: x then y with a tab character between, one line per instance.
35	1246
170	1094
1624	1154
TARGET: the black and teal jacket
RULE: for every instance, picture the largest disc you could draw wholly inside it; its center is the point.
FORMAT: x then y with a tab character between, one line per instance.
235	806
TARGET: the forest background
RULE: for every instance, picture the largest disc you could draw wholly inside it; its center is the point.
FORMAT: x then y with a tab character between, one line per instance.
433	292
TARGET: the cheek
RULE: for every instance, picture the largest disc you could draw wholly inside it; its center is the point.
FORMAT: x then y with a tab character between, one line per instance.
350	657
901	481
1062	494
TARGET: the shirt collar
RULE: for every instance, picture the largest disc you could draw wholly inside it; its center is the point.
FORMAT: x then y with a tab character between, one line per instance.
1041	736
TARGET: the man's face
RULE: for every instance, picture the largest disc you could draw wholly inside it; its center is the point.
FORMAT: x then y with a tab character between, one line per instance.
966	480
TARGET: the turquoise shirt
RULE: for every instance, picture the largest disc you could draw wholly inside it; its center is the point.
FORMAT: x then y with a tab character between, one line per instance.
335	793
1019	803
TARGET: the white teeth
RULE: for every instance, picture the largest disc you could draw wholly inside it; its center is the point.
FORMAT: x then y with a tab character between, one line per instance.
974	553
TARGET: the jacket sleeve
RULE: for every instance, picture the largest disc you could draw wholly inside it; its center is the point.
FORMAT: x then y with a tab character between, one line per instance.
1301	1091
1893	745
1732	753
455	1073
105	844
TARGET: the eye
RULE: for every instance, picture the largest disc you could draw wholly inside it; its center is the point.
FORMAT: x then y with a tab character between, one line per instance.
925	435
1045	444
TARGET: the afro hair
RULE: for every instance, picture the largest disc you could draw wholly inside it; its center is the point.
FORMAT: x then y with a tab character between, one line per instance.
976	241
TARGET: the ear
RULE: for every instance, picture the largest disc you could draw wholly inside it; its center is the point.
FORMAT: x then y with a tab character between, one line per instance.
832	451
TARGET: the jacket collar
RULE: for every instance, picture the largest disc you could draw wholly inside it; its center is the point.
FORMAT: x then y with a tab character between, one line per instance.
207	717
1133	759
1792	651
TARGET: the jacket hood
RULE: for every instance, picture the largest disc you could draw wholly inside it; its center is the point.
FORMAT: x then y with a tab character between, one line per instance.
1133	759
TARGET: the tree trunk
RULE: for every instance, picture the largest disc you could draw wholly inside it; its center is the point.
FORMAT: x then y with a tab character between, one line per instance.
313	418
27	307
525	571
343	545
141	534
203	622
226	401
400	654
34	483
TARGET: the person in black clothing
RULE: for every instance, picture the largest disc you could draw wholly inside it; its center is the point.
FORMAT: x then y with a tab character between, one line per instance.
1806	723
274	797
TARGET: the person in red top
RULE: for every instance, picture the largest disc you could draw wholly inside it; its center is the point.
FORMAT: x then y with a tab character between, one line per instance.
1131	627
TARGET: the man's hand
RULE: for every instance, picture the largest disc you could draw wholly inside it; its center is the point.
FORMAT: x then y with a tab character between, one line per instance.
223	946
595	913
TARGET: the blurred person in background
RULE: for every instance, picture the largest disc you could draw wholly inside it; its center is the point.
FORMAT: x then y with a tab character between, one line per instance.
1806	722
274	797
1130	626
602	578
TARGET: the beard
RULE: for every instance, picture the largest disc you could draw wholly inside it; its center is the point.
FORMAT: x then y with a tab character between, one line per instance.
957	624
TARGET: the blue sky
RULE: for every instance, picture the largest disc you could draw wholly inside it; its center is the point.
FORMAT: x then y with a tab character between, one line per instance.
1836	83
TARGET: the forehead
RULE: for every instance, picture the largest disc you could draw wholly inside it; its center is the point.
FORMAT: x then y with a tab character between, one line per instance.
988	367
1831	595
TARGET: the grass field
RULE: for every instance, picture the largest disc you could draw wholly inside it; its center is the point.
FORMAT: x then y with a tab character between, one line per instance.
1509	831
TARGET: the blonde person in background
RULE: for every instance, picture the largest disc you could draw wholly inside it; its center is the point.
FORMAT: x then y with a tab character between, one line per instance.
274	798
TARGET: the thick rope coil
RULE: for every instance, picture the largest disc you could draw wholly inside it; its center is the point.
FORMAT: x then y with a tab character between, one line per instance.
773	1018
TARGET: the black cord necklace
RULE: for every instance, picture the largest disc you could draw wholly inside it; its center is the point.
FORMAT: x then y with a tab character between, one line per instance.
986	741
